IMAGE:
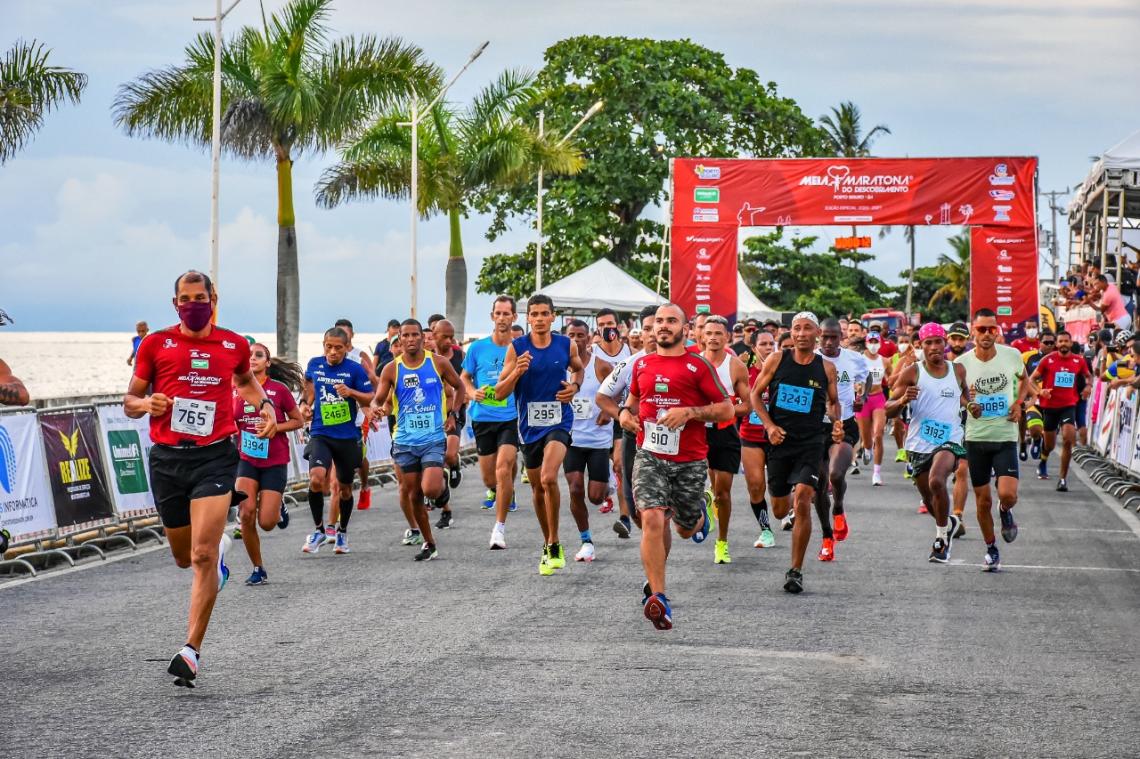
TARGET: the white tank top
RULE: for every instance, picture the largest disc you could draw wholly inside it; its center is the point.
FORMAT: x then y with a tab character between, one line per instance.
586	432
724	374
936	414
355	354
876	370
622	354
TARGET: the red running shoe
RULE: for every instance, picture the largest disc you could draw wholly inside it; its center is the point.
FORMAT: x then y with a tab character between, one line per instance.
922	509
365	502
840	529
827	552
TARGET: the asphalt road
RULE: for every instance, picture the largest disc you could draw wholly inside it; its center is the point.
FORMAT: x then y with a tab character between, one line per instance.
475	654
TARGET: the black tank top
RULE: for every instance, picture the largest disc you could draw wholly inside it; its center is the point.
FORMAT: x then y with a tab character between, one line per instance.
797	398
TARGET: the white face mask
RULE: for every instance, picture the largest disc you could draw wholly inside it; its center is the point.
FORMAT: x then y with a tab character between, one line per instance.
904	347
1031	333
873	348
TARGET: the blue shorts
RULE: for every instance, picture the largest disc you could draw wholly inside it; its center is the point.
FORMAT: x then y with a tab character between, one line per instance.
416	458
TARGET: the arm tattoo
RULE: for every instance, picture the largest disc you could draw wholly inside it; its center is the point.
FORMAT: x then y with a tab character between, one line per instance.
10	393
705	413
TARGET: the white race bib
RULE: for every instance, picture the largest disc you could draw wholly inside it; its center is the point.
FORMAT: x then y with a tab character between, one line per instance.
192	417
661	439
543	413
583	408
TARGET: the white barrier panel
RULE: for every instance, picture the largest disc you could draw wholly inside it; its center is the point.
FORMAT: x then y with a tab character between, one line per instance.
1106	424
126	449
25	494
380	444
1125	425
300	465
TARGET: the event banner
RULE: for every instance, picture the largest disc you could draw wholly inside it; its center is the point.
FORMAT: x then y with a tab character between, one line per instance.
1003	273
25	496
762	192
126	445
702	270
75	467
1125	425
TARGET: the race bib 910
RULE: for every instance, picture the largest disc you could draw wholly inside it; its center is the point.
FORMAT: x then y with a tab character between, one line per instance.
661	439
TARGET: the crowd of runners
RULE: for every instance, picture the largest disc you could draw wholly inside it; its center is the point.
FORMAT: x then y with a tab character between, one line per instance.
648	426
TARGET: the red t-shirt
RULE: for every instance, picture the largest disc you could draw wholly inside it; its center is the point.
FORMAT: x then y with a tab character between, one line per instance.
1059	373
665	382
247	417
1026	344
888	348
196	374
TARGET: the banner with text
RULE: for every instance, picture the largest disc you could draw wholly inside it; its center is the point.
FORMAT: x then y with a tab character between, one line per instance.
702	270
126	446
1003	273
751	192
75	467
25	496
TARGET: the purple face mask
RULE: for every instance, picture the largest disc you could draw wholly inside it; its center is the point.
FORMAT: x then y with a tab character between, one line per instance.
195	314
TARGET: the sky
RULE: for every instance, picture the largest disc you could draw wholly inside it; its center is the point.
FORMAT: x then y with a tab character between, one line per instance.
96	225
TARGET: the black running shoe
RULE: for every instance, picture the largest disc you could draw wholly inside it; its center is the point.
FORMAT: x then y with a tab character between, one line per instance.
184	667
1008	526
455	477
794	581
445	520
427	553
961	531
940	552
645	592
1063	485
621	527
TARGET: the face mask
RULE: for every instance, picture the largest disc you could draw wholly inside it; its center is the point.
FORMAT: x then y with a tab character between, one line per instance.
195	314
904	347
873	348
1031	333
609	334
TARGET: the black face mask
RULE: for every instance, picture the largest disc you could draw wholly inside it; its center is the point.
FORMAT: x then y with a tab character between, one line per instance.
609	334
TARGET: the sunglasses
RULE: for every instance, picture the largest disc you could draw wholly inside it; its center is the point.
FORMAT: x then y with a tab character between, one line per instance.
1048	342
986	330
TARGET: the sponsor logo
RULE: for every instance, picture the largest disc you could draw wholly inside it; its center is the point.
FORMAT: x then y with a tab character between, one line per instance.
702	296
699	238
127	460
1001	213
1004	299
169	343
7	462
1001	176
691	368
706	172
703	288
1003	255
704	308
1005	311
661	387
199	363
706	214
703	254
411	380
250	408
1003	195
200	380
706	195
228	345
948	392
840	179
195	353
418	396
76	468
704	267
1005	269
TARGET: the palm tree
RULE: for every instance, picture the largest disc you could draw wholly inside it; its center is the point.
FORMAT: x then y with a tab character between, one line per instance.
954	268
843	131
30	88
486	145
286	88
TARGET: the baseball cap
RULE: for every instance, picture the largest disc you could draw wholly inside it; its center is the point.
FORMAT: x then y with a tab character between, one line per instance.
635	332
960	329
873	337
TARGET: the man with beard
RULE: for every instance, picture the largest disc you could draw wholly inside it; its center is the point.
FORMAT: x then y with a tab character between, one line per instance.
957	341
1032	423
612	351
1057	375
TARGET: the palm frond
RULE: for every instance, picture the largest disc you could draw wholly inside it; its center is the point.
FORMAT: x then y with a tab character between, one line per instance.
29	88
172	103
500	101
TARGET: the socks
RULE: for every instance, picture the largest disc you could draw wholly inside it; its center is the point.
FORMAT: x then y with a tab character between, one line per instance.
760	511
317	506
823	511
877	468
345	512
500	526
585	535
942	531
445	497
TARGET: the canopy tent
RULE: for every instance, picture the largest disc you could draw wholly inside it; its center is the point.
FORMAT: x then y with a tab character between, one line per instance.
599	285
748	306
1107	204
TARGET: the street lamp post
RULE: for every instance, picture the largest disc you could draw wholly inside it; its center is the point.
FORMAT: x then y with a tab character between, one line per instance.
541	131
417	115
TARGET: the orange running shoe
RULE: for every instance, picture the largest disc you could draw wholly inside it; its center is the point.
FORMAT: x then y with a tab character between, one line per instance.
827	552
922	508
365	500
840	529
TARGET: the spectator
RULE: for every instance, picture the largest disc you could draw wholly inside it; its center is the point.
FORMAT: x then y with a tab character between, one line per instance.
384	353
516	331
1029	343
887	347
141	330
1108	300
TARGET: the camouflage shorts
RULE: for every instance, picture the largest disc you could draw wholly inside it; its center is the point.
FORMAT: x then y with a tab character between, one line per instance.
678	488
920	463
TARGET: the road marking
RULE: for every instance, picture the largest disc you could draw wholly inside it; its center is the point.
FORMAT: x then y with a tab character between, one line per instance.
960	563
752	653
44	574
1114	506
1072	529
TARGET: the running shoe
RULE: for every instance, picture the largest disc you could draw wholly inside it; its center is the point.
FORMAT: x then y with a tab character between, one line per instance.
259	577
877	479
184	666
1063	485
330	534
342	543
557	556
1008	526
427	553
223	570
1022	453
961	531
940	552
953	524
720	553
498	538
545	568
489	500
658	612
909	473
412	537
283	516
840	529
827	550
991	562
900	457
364	503
923	508
794	581
646	592
766	539
237	533
607	506
1043	470
525	479
514	506
1035	449
621	527
456	477
585	553
710	519
445	520
788	522
855	467
315	541
866	457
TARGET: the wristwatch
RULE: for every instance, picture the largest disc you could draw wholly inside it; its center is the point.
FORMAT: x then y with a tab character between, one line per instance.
263	402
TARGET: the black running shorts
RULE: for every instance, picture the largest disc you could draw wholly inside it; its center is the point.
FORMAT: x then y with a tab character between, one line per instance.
345	454
988	460
267	478
533	452
181	475
595	461
724	449
1058	417
792	464
491	436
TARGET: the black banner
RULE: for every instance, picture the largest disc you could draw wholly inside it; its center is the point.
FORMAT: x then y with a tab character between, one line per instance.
75	467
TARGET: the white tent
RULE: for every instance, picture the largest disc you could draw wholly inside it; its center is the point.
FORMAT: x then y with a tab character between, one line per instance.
748	306
599	285
1123	156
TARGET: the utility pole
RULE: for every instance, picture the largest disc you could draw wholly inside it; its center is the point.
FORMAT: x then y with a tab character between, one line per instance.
1055	209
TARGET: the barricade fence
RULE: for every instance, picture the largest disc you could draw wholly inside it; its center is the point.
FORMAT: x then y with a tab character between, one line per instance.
1112	424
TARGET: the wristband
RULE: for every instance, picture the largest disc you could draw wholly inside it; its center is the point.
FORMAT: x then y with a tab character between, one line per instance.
263	402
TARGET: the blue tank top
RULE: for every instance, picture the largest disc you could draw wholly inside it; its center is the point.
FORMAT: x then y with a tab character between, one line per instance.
538	411
420	403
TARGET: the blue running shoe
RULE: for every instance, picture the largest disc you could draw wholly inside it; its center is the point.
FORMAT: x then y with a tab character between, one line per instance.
514	506
1035	449
314	541
259	577
283	518
700	535
341	543
991	562
658	612
1043	470
1008	526
489	500
223	570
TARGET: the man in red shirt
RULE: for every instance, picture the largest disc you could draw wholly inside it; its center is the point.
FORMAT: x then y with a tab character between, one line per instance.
1056	375
1030	342
672	394
184	379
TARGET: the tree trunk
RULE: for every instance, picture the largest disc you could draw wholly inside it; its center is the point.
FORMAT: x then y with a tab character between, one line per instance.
455	279
910	278
288	272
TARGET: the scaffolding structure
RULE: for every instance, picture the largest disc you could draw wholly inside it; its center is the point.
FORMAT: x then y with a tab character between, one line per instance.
1104	206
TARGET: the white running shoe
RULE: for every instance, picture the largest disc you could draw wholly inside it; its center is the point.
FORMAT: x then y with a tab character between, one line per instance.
876	479
314	542
498	538
223	570
585	553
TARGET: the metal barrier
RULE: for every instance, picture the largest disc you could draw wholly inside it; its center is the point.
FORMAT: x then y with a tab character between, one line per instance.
1112	458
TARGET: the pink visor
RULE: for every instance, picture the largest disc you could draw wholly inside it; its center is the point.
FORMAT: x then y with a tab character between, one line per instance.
931	329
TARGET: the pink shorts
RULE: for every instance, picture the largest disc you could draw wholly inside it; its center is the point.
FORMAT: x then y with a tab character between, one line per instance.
876	401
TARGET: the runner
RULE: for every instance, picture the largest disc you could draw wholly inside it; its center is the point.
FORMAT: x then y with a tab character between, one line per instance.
996	379
906	356
872	417
850	379
365	502
444	334
672	394
264	467
610	395
535	371
935	391
612	351
724	439
1057	373
184	377
1032	421
383	355
494	422
591	438
754	442
801	385
416	380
